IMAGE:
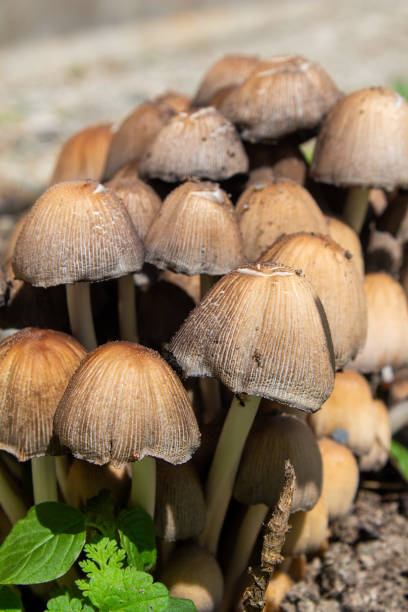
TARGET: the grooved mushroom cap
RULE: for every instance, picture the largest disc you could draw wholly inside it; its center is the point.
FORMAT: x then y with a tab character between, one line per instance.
387	332
378	455
196	232
283	95
180	506
337	283
123	403
83	156
141	201
364	141
348	414
346	237
135	134
268	211
271	442
76	231
199	144
35	367
340	477
230	70
262	331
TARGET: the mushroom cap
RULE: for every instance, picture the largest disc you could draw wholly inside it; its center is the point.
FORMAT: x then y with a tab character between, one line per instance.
268	211
271	442
76	231
349	411
308	530
141	201
282	96
364	141
124	403
35	367
346	237
337	283
195	144
387	331
262	331
135	134
176	101
379	453
230	70
86	480
340	477
196	232
83	156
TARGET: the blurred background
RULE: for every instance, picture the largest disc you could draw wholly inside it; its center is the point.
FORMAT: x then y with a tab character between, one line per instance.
64	64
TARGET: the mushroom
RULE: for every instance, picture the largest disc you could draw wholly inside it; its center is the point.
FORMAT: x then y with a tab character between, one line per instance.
340	477
346	237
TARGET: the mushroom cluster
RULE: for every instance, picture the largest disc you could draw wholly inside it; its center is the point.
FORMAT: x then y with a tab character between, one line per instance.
221	323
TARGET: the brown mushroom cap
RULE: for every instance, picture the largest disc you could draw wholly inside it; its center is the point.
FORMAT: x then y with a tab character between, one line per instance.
76	231
85	480
262	331
268	211
125	403
35	367
337	283
340	477
83	156
176	101
200	144
272	441
196	232
364	141
379	453
283	95
346	237
308	530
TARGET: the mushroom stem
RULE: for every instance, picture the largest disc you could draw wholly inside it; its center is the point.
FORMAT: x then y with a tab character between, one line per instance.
398	415
44	479
225	464
61	468
143	491
127	308
80	314
10	500
356	207
244	544
211	397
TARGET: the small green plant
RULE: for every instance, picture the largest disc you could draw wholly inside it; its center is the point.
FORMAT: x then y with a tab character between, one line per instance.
399	453
401	86
118	552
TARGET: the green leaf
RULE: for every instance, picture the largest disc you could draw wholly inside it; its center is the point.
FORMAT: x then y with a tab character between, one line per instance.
136	534
43	545
399	453
9	600
126	589
181	605
101	512
101	555
65	603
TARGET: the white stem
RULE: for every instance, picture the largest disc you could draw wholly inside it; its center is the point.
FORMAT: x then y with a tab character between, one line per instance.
80	314
11	502
224	467
398	415
44	479
143	491
127	308
62	468
356	207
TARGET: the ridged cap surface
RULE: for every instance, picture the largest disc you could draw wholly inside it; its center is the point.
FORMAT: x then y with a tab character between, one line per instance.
196	232
35	368
123	404
268	211
364	141
337	283
262	331
77	231
387	332
283	95
272	440
340	477
346	237
200	144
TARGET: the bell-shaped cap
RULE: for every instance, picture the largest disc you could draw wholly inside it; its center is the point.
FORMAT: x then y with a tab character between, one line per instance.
141	201
262	331
346	237
35	368
268	211
230	70
83	156
199	144
364	141
176	101
271	442
308	531
282	96
348	415
340	477
196	232
125	403
337	283
387	332
77	231
379	453
135	134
